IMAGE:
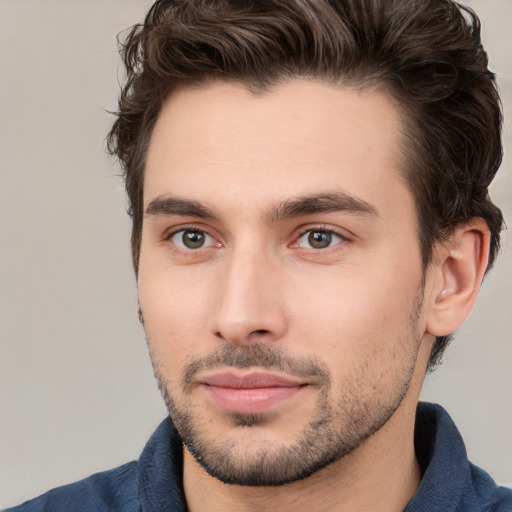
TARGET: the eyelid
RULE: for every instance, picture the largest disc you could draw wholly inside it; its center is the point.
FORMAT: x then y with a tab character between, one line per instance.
171	232
300	232
323	228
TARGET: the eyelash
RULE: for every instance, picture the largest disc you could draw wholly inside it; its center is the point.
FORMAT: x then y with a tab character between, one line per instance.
319	229
181	229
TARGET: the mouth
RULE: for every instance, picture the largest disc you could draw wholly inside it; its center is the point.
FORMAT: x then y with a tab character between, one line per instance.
249	393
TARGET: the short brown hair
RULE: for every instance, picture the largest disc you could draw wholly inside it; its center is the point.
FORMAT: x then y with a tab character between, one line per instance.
427	55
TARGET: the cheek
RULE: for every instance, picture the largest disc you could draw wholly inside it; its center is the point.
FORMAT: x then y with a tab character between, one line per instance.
355	319
174	306
356	302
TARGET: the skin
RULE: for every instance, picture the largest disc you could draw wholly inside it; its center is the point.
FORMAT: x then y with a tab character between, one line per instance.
224	163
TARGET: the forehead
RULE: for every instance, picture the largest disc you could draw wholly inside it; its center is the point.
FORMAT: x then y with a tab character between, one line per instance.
220	141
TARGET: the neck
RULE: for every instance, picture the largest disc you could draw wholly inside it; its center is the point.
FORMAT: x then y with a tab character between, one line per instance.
381	474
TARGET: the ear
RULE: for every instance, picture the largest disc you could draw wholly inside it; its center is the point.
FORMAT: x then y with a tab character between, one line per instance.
458	269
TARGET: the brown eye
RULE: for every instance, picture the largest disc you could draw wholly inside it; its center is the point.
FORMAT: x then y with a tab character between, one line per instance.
193	239
319	239
190	239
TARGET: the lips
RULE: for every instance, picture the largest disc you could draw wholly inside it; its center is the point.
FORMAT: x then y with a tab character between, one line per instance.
248	381
250	393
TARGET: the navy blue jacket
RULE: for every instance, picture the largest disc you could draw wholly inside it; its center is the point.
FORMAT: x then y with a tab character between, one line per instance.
450	482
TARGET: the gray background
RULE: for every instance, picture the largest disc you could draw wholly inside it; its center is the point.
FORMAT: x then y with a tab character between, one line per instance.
77	394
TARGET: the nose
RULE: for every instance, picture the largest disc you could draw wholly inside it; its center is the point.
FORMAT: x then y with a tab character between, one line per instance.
250	306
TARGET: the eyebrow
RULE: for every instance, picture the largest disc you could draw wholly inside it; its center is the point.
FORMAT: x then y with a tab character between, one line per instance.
291	208
321	203
176	206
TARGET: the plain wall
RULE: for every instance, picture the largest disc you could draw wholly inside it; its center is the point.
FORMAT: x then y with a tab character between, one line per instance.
77	394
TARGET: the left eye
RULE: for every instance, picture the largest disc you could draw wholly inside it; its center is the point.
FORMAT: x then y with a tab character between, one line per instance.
189	239
319	239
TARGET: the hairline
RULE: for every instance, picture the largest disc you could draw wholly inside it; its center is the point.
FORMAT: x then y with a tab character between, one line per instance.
406	122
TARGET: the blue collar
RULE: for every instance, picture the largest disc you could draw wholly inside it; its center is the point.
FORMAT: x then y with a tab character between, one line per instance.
450	482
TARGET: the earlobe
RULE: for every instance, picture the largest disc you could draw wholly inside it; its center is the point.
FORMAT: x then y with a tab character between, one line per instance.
460	266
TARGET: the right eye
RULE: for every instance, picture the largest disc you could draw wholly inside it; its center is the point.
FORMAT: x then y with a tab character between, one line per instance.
191	239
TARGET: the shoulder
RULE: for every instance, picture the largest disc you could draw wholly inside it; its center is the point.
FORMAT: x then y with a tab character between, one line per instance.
154	482
450	481
490	496
113	490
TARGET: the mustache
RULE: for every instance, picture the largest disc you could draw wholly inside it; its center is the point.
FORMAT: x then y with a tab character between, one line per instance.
260	356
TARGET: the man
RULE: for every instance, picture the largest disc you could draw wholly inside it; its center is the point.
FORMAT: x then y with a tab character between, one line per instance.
308	184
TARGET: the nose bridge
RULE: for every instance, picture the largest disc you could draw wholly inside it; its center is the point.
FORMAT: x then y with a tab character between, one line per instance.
248	305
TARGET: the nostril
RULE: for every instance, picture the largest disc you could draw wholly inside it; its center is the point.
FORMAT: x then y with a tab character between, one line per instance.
257	333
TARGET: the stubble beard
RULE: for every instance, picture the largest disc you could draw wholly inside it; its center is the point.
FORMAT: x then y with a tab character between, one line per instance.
336	428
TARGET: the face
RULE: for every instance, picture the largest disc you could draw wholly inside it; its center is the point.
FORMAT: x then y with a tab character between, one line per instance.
280	275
